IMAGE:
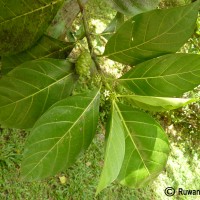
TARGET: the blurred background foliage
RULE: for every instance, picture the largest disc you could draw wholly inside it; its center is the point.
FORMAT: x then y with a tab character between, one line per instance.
79	181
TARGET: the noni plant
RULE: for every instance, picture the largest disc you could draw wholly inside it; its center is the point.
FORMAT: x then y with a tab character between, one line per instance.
57	97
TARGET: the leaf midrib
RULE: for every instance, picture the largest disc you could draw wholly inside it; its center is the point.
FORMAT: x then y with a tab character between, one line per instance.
28	13
134	47
154	77
65	133
59	50
15	102
152	97
50	54
123	121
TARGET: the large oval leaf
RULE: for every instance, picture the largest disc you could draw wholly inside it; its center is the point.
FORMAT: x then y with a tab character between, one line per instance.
30	89
59	136
157	104
46	47
134	7
166	76
22	22
115	150
146	147
152	34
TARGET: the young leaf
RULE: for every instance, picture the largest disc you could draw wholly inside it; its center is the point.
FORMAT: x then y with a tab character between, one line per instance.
115	150
23	22
157	104
46	47
166	76
60	135
31	88
146	147
152	34
133	7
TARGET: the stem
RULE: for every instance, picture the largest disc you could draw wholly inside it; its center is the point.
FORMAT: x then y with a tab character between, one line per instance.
119	95
90	45
87	34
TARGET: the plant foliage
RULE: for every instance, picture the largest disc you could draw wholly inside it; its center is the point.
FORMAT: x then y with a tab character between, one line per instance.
146	146
31	88
152	34
134	7
46	47
39	90
24	18
62	137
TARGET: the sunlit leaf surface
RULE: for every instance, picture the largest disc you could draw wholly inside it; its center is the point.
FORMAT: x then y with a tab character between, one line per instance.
115	149
152	34
31	88
166	76
157	103
60	135
146	147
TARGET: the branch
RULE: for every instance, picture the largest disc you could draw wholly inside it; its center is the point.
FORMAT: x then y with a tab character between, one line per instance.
87	35
64	19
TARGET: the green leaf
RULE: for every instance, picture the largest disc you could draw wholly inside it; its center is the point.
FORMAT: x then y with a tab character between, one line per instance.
115	150
166	76
133	7
157	104
31	88
152	34
80	33
113	26
23	22
46	47
146	147
60	135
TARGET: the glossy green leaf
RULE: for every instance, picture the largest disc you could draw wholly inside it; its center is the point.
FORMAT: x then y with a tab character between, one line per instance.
46	47
152	34
60	135
133	7
23	22
146	147
115	149
31	88
113	26
157	103
166	76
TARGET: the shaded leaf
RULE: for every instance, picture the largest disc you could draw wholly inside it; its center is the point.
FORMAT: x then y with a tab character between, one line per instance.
115	150
23	22
113	26
31	88
80	33
60	135
133	7
152	34
157	103
46	47
166	76
146	147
